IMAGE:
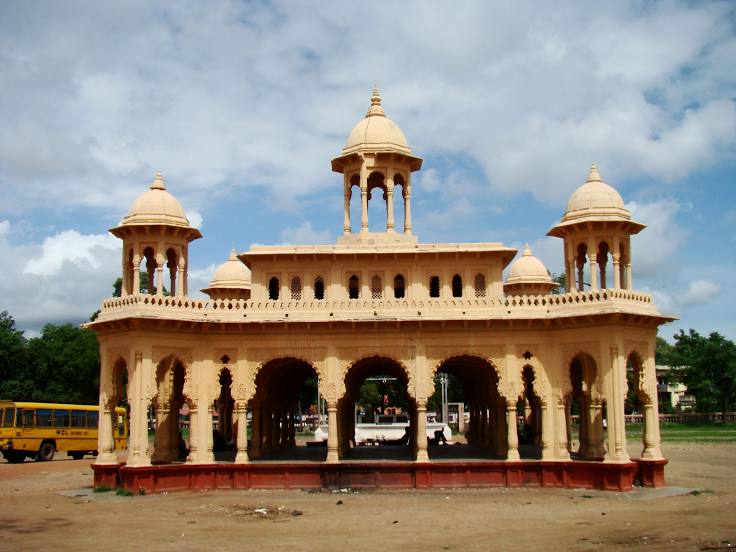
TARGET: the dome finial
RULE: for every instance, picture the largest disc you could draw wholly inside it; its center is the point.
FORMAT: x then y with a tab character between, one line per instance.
527	250
158	182
233	255
593	175
375	109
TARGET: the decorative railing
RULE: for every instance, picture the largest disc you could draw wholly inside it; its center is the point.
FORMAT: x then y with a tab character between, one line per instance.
534	306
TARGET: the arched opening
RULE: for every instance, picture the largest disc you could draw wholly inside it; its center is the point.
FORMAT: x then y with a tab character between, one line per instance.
377	190
285	412
224	442
637	399
529	409
376	416
585	411
273	288
172	263
580	261
399	205
399	290
295	287
171	414
376	287
623	266
319	288
354	287
466	398
355	203
127	288
148	270
457	286
479	284
434	286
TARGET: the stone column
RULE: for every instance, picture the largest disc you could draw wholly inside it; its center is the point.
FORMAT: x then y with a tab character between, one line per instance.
512	437
138	400
159	283
563	451
193	434
161	447
596	449
501	432
207	438
363	209
651	433
136	275
421	432
616	271
545	428
348	191
390	207
616	416
242	437
181	277
593	271
629	276
407	207
105	439
332	456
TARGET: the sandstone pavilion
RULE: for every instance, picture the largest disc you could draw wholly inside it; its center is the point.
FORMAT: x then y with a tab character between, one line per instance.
380	303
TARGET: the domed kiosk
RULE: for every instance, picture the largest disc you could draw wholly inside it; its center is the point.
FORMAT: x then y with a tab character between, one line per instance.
528	276
231	280
540	372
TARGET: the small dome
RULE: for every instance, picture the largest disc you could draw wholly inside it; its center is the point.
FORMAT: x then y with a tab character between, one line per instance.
595	197
156	206
528	269
232	274
376	131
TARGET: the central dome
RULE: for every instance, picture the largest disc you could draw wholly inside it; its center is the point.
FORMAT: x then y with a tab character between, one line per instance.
376	131
595	197
156	206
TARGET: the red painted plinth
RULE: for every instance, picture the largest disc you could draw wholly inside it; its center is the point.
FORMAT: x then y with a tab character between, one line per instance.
650	473
387	475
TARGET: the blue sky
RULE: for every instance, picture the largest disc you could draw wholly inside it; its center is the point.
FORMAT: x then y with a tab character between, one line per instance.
242	105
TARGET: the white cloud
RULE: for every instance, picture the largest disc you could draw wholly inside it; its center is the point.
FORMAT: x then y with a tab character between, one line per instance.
195	218
305	234
69	246
654	250
61	280
699	292
531	95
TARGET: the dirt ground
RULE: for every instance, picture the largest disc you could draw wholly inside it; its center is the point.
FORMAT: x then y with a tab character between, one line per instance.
51	506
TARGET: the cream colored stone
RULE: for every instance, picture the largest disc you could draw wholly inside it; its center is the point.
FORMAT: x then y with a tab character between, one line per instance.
380	302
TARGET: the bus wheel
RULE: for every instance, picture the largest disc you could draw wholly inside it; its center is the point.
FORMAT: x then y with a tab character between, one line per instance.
15	457
46	451
77	455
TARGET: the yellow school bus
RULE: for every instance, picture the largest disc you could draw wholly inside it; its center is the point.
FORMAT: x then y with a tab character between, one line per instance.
39	430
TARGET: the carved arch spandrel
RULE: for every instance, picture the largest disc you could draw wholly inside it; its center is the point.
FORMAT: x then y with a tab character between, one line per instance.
646	385
592	349
541	382
494	355
348	357
163	361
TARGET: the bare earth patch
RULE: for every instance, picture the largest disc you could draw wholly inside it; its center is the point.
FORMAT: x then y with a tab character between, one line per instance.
51	505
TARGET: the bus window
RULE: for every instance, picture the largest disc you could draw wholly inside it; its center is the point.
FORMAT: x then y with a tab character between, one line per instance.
6	417
43	418
92	419
61	418
79	418
24	418
121	425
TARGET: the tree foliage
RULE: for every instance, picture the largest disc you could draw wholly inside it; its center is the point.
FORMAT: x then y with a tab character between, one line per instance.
708	368
61	365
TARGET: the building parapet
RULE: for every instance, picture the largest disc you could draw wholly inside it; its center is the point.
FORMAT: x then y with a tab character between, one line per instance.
232	310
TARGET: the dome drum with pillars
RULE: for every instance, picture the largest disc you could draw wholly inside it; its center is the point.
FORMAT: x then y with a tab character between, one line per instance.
596	226
156	230
377	155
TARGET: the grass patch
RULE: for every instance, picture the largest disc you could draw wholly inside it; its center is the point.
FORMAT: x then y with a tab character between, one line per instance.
102	489
693	433
123	492
698	492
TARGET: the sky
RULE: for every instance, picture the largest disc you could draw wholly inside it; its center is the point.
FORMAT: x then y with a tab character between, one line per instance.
242	105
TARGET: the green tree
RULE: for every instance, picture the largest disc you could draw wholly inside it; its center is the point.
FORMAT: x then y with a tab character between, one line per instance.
561	281
66	365
13	360
708	369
